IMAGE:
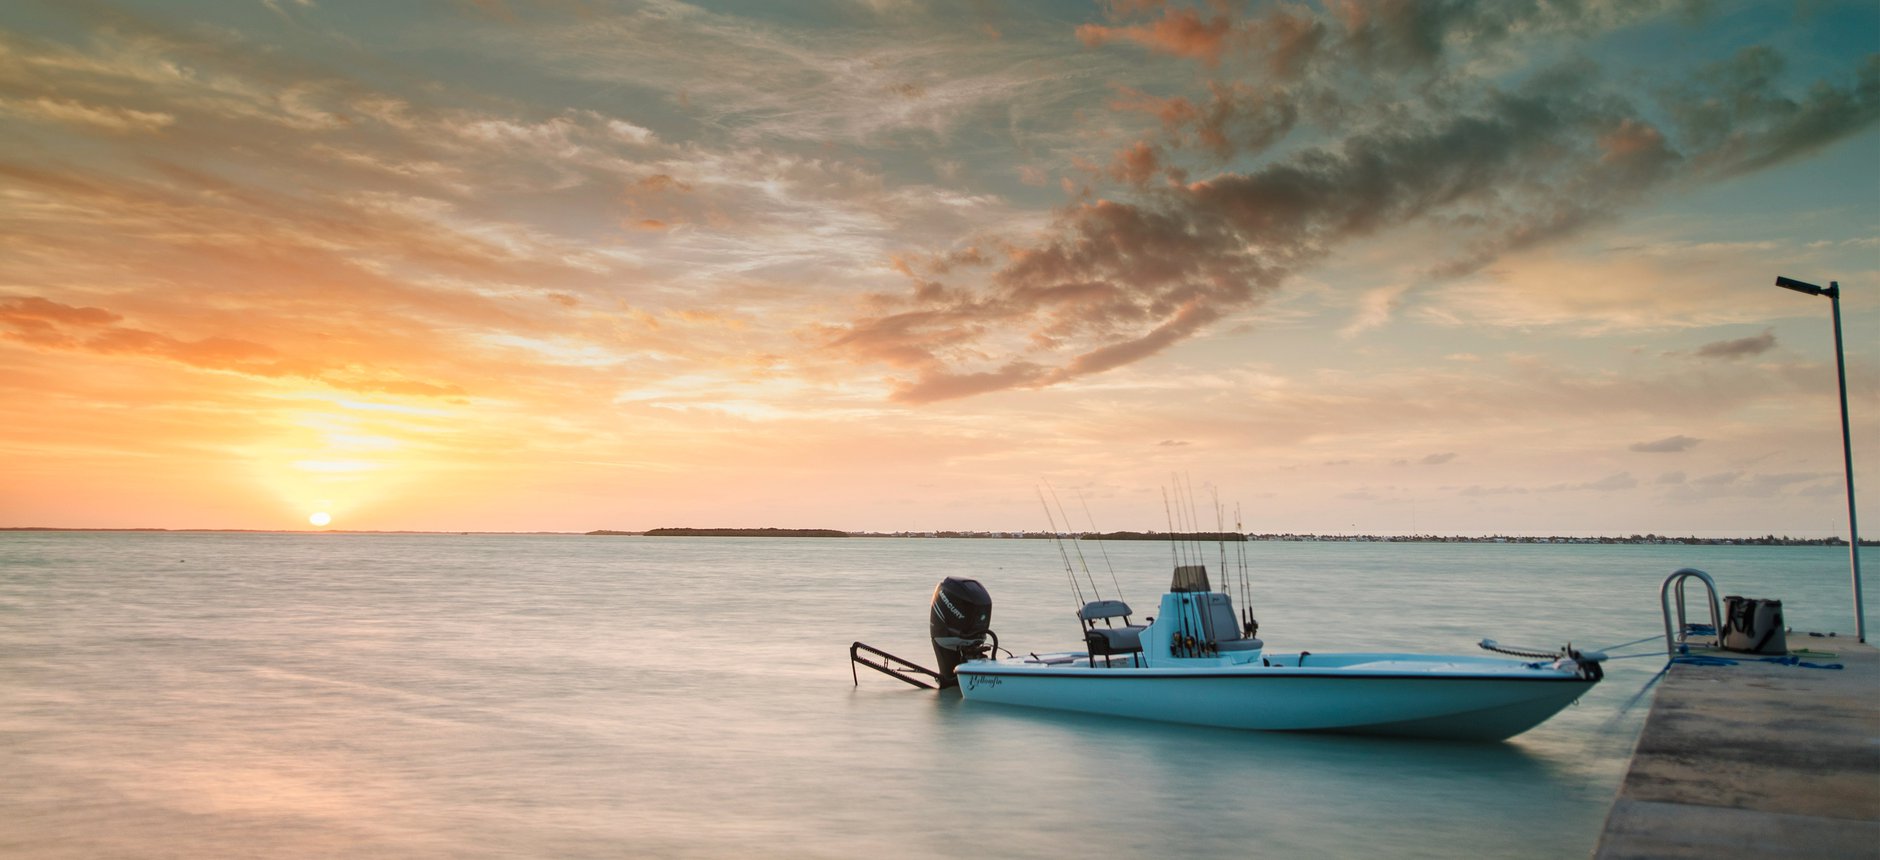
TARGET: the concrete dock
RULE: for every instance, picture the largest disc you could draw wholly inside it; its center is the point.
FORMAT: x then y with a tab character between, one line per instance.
1757	760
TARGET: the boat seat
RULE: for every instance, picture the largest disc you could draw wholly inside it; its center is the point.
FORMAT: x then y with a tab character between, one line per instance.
1107	639
1098	610
1114	640
1225	626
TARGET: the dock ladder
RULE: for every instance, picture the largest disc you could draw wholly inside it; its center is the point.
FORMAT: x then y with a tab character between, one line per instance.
1677	637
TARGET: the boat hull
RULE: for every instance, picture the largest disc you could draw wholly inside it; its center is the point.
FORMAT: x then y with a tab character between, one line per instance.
1459	700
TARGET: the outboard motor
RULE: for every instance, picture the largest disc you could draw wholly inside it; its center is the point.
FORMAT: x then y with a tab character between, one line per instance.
959	620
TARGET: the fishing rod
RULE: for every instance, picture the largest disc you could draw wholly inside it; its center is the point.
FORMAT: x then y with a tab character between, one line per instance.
1076	590
1221	531
1076	545
1204	612
1248	626
1184	636
1194	524
1173	555
1100	548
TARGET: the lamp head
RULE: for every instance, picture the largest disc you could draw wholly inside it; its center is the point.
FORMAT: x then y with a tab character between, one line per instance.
1799	286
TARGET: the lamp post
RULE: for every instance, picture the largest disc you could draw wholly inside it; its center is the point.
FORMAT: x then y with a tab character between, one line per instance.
1833	292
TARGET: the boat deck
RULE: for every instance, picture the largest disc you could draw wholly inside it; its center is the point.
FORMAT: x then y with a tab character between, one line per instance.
1756	760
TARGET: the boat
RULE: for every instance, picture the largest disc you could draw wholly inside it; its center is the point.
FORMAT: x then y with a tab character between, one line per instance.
1196	662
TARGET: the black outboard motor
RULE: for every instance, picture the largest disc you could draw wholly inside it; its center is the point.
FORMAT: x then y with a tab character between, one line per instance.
961	617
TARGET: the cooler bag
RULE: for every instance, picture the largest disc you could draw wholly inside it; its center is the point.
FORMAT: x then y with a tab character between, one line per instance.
1753	626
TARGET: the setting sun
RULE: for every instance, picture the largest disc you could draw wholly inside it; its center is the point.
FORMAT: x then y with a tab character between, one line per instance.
320	519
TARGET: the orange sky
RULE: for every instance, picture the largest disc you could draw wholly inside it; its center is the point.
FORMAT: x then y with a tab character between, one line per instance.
1376	267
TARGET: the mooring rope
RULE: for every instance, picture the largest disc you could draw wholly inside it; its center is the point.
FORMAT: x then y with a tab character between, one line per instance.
1610	648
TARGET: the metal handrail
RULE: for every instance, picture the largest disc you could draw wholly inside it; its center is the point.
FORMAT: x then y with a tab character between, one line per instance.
1679	577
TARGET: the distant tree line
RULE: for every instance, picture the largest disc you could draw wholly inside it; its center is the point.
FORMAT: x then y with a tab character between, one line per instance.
673	532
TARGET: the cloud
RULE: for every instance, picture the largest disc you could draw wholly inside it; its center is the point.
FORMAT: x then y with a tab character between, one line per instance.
45	324
1620	481
1667	445
1740	347
1737	119
1150	273
1481	170
937	385
1438	459
1755	486
1375	309
42	322
1179	32
111	119
1476	491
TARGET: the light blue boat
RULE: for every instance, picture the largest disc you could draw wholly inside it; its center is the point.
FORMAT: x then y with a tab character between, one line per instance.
1196	663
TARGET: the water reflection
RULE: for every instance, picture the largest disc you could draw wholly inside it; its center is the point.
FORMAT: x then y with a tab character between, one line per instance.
1166	787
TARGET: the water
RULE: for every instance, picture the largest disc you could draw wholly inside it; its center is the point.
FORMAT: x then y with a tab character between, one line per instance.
194	695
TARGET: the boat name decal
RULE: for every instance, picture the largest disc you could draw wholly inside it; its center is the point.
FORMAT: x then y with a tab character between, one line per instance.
974	682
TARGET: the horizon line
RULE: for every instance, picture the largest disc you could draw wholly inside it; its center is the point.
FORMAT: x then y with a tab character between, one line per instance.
947	533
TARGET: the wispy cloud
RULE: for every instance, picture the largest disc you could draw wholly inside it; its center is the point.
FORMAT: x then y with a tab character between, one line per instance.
1667	445
1742	347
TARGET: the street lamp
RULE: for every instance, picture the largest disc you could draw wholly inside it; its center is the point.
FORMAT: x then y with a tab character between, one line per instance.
1833	292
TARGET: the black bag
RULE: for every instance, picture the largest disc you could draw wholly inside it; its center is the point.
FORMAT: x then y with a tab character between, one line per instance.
1753	626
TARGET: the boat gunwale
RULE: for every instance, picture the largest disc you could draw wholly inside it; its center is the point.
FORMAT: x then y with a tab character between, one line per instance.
1153	673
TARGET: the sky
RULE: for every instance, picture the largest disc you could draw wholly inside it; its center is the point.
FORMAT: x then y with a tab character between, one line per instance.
1347	267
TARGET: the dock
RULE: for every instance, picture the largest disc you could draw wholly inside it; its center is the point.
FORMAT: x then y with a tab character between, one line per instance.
1757	759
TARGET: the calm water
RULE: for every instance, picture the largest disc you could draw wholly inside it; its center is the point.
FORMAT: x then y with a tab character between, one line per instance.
197	695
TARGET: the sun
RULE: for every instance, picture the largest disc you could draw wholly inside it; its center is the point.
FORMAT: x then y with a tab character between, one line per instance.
320	519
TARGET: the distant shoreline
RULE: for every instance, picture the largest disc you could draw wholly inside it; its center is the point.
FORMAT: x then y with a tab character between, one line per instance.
1205	537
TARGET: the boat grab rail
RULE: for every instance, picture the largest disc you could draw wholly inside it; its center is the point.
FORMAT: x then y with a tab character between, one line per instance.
1675	636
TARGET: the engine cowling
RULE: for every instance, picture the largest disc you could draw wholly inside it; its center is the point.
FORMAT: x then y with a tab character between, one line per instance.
959	621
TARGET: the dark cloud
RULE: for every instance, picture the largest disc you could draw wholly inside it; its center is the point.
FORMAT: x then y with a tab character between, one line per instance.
1489	169
1742	347
1129	279
1738	119
1667	445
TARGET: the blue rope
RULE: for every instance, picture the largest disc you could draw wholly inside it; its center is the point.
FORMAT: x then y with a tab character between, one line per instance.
1631	643
1707	660
1699	660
